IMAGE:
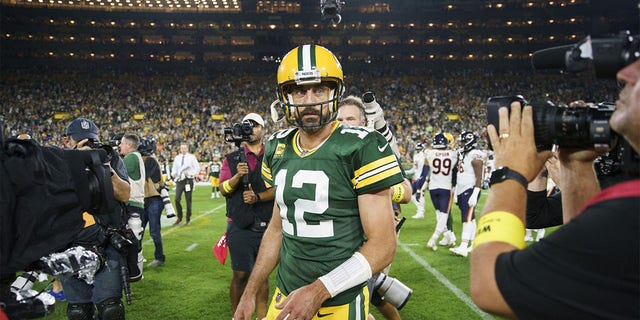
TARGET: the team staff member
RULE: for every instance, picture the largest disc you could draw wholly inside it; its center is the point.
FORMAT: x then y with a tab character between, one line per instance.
248	211
586	269
185	168
332	192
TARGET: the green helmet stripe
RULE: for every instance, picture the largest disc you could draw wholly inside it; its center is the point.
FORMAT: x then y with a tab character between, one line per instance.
306	57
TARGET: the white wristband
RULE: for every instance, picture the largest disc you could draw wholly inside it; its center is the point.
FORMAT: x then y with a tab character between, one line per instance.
349	274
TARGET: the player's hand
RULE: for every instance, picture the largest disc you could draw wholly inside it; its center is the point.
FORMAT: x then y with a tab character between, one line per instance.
472	202
473	199
245	308
304	302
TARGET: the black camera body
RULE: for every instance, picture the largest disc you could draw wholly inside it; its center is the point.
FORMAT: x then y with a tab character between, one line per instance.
239	132
604	55
330	10
578	128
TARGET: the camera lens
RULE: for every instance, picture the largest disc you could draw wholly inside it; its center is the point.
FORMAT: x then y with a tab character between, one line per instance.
392	290
571	127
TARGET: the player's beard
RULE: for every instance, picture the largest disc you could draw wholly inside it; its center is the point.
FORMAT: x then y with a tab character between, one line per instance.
313	125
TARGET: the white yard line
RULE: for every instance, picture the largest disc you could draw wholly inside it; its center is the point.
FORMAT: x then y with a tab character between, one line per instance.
175	228
191	247
461	295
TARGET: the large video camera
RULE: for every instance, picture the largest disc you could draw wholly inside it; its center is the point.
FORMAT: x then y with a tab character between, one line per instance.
54	187
330	10
578	128
239	132
605	55
575	127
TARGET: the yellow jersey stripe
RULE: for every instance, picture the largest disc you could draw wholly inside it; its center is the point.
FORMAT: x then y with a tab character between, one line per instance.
377	177
373	165
266	171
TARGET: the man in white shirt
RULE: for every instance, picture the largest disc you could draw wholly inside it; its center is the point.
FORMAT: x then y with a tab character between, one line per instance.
185	168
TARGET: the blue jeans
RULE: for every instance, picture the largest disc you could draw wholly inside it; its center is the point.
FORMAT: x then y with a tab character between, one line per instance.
152	212
107	284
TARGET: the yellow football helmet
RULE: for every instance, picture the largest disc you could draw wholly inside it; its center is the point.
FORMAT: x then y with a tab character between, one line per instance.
451	140
304	65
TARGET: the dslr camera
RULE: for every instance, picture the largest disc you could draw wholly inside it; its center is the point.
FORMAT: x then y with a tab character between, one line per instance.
577	128
239	132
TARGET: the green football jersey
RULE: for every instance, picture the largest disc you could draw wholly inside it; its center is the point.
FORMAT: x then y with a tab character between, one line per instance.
317	192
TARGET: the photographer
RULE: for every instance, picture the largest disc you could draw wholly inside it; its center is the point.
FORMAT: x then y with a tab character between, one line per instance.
153	203
106	291
588	268
185	167
249	207
544	208
134	164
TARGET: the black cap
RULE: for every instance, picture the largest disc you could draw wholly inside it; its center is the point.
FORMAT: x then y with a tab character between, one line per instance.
82	128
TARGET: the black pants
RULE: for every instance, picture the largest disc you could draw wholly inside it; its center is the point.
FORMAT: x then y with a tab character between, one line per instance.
180	188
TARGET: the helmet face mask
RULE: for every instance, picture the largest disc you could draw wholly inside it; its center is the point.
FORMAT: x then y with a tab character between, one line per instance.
307	67
468	140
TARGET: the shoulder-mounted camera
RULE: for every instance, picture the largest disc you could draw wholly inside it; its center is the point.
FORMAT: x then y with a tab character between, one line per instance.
580	128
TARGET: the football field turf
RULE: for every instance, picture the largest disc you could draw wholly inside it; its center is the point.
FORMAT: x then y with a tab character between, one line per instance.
194	285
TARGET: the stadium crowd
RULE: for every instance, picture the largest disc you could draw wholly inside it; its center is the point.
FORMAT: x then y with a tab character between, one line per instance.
181	105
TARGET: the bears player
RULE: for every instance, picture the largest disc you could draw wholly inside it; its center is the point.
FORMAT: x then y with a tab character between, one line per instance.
441	162
469	180
332	192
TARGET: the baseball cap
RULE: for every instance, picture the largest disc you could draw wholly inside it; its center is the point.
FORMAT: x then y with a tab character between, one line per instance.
82	128
254	117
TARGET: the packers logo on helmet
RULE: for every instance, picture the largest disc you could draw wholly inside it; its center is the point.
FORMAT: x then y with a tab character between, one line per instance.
308	65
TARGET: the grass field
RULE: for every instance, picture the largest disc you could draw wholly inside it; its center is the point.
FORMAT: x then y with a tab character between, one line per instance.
194	285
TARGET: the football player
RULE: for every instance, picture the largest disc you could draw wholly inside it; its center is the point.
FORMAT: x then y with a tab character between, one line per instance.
469	181
419	175
441	162
332	193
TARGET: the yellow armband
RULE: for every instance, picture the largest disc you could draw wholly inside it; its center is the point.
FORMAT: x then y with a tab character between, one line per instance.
226	186
398	193
500	226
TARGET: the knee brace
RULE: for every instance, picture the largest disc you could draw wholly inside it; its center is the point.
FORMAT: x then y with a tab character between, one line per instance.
80	311
111	309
